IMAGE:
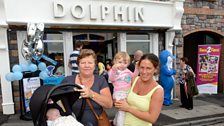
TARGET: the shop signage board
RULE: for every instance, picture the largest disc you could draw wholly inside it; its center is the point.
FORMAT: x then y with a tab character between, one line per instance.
95	13
208	68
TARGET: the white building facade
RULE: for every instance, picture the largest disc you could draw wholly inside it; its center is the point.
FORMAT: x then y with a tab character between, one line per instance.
117	25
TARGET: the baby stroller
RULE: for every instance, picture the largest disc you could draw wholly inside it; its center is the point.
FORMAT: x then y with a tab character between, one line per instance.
39	101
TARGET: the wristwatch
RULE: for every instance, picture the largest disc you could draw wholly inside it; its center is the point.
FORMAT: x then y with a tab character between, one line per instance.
92	96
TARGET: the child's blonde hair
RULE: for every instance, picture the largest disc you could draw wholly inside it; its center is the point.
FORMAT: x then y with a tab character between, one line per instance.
124	55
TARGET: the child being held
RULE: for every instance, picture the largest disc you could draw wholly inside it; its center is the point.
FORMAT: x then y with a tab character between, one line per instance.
121	78
54	118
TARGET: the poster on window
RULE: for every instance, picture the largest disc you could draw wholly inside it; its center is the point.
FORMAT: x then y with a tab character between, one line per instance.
29	86
207	68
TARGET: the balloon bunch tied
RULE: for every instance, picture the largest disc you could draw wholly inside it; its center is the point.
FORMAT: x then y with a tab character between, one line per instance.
18	69
32	49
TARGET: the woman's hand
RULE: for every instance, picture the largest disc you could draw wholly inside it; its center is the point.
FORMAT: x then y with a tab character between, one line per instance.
122	105
85	92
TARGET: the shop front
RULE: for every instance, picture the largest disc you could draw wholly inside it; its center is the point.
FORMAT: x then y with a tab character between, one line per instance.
104	26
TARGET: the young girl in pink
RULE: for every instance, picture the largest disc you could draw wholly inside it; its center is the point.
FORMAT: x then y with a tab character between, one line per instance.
121	78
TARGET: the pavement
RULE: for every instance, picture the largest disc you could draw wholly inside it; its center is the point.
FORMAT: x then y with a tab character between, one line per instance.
208	111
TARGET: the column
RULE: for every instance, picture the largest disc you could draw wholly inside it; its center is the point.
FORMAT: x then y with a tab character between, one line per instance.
121	42
169	40
155	44
169	46
68	48
6	86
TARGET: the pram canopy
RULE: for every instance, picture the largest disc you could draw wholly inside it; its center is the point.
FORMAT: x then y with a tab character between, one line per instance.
39	101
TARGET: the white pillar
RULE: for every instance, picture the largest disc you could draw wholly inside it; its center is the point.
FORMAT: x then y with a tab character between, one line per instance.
169	46
121	42
68	48
155	44
6	86
169	41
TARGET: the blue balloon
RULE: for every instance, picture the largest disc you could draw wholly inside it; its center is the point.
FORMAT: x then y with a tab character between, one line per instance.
43	75
9	77
17	75
33	67
17	68
42	66
25	67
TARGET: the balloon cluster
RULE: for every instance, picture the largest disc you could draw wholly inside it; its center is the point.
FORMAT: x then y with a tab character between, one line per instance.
44	72
32	49
18	69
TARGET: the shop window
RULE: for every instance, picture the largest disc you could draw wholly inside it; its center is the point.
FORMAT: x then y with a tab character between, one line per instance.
54	50
138	42
53	36
80	37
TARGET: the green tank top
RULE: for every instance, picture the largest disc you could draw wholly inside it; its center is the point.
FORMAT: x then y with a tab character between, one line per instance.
139	102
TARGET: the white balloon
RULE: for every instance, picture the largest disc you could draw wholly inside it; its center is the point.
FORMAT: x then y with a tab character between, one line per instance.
38	50
31	29
26	53
40	26
33	47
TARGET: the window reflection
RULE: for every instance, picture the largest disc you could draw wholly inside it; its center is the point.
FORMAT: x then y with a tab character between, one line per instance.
54	51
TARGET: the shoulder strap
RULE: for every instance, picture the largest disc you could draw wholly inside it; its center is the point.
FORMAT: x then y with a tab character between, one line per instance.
154	89
134	82
88	102
91	107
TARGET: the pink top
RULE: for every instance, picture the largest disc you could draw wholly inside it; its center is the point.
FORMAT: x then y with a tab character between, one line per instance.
121	80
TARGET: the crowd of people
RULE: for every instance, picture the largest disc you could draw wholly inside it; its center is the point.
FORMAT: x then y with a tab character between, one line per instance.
129	85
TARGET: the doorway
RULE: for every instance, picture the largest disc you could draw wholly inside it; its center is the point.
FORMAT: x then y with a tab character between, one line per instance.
103	44
191	43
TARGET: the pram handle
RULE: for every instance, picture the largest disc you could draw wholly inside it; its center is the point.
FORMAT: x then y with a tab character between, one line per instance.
54	88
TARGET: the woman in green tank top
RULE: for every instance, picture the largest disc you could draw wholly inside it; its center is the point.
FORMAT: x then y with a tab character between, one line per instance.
145	99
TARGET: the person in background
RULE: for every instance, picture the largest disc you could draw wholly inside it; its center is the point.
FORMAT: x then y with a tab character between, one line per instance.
60	71
145	99
185	98
100	64
95	87
108	64
106	74
73	57
138	54
121	77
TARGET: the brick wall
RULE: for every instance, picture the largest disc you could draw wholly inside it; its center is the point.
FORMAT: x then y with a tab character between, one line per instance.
203	15
221	70
14	59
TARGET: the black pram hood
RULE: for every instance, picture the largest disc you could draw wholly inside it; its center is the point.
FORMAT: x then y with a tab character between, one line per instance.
39	100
